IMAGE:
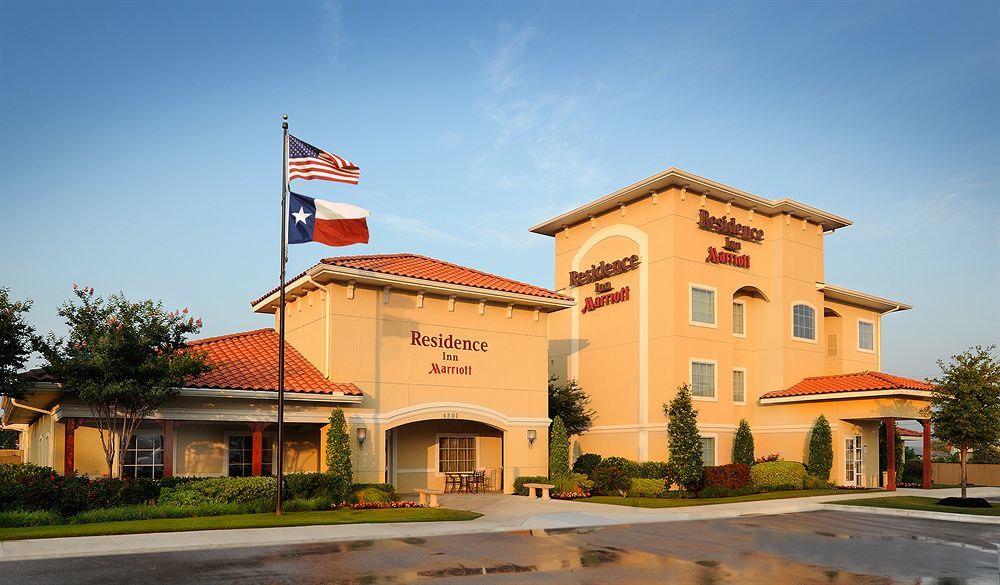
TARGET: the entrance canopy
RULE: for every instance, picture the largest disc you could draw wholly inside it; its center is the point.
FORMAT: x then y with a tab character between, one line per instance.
851	386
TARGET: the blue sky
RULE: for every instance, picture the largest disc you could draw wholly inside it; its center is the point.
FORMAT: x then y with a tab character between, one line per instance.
140	142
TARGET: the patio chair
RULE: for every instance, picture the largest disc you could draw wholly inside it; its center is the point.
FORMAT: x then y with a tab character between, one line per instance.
452	482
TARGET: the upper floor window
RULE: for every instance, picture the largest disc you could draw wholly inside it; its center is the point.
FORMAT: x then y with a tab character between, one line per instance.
702	305
739	385
739	319
804	322
866	335
703	379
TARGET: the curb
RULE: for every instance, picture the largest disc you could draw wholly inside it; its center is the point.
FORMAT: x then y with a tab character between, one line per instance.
923	514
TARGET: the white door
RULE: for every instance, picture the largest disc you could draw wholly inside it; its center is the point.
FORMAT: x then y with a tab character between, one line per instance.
852	461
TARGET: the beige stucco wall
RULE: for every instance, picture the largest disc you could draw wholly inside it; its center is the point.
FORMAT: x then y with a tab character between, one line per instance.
631	356
364	334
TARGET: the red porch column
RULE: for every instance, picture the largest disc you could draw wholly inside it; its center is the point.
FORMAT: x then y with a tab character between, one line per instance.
890	455
927	453
69	445
258	448
169	428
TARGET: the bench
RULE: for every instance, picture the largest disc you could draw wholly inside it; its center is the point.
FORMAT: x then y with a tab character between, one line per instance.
433	494
545	487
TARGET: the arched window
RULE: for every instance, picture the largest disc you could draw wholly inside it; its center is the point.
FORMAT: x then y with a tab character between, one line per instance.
803	322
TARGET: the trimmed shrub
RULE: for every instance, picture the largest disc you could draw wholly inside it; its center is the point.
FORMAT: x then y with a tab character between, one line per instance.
307	505
370	495
778	473
558	450
684	441
733	476
767	458
986	455
821	449
305	486
811	482
221	490
743	444
519	488
576	482
611	481
586	463
646	488
654	470
338	456
627	466
913	471
388	488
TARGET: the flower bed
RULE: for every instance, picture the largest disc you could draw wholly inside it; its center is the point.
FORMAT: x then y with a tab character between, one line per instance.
569	495
386	505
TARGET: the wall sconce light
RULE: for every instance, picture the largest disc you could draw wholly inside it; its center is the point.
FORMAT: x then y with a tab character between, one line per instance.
532	435
362	433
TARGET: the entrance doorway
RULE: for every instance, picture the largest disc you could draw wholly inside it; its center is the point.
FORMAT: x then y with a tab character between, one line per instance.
853	474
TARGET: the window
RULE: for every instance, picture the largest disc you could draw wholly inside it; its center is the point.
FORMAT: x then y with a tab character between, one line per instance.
739	385
866	335
703	379
702	306
144	457
739	318
241	456
708	450
804	322
456	454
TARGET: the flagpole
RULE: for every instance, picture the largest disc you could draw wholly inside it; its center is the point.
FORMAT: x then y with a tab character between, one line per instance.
281	307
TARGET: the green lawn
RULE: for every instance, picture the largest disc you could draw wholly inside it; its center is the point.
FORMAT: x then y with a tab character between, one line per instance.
681	502
919	503
346	516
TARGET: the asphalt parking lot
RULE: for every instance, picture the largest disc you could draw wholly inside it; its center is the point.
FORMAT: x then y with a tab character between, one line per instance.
829	548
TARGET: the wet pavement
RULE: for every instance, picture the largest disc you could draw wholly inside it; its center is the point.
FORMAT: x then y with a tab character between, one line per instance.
822	548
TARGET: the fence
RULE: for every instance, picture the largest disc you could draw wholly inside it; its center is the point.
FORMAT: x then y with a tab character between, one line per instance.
979	473
11	456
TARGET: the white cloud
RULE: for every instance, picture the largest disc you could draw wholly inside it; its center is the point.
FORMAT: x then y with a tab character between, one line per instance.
412	225
332	25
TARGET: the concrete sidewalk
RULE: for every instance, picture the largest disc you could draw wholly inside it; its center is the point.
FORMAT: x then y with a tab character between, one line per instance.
500	514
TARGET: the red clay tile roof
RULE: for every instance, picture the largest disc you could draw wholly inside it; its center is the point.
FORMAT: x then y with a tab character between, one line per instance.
856	382
422	267
905	432
249	361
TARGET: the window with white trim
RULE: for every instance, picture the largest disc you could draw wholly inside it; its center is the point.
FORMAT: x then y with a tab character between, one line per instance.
241	456
703	379
702	305
739	385
708	451
739	318
144	456
866	335
804	322
456	454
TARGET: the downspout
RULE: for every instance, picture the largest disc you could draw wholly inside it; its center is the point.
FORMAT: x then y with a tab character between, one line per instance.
880	334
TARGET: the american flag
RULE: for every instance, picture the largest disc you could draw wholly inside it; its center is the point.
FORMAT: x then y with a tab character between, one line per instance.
305	161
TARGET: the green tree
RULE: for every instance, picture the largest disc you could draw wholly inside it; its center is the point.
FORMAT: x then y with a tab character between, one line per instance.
883	449
338	456
570	403
989	455
558	450
821	449
123	360
16	342
965	408
9	439
684	441
743	444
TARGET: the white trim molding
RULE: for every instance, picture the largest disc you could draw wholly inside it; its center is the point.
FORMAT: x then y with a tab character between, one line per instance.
271	395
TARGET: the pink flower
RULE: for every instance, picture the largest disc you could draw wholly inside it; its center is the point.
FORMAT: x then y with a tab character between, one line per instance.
185	310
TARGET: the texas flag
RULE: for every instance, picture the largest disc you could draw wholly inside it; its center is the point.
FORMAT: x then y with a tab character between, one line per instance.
333	224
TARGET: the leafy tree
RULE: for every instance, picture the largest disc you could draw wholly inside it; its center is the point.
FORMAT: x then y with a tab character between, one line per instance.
990	455
338	456
16	342
883	449
965	408
821	449
123	360
570	403
9	439
743	444
684	441
558	450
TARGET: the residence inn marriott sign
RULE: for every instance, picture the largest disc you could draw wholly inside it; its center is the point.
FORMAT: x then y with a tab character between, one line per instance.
442	368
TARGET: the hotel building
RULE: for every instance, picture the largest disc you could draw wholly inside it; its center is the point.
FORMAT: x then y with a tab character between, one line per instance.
673	280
